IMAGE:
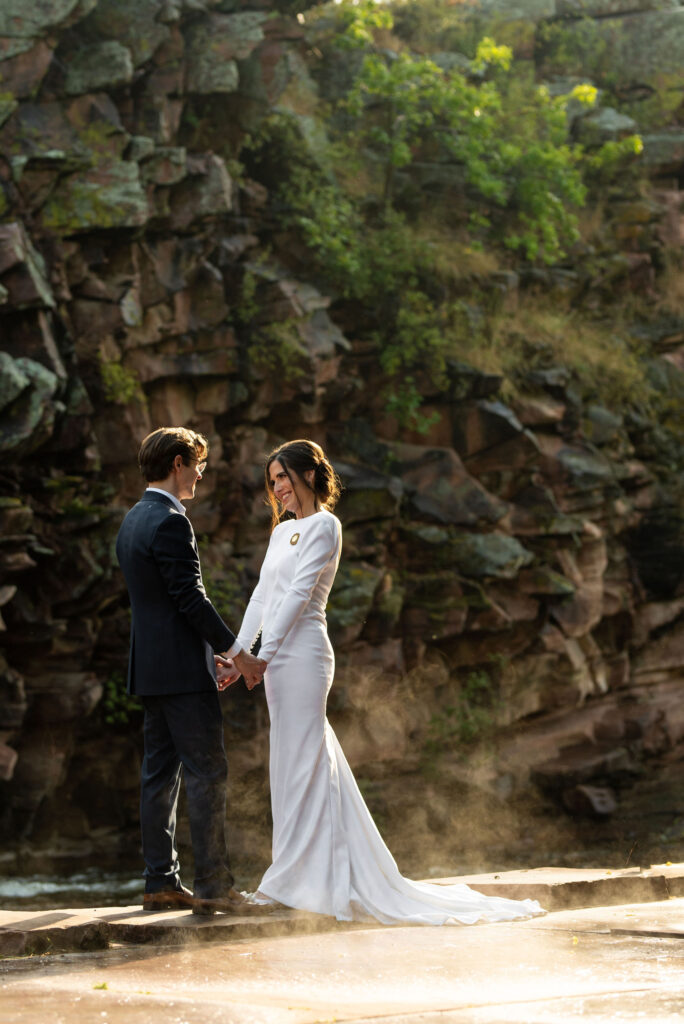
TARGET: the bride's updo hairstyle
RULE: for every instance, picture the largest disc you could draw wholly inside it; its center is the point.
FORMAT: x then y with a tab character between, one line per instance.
302	456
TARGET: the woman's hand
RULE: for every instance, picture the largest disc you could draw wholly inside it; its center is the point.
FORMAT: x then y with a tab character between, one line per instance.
251	668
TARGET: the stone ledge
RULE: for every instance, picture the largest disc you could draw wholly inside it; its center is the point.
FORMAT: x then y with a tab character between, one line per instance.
573	888
29	932
661	919
558	889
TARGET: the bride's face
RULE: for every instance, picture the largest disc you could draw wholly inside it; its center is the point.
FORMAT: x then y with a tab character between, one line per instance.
291	491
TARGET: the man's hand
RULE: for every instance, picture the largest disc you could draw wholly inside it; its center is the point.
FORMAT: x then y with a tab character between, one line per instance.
226	672
251	668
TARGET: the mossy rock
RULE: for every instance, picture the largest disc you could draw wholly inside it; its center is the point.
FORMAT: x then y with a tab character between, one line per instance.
166	165
435	605
615	51
111	197
8	104
85	133
352	596
512	10
465	504
480	426
604	125
215	43
601	425
664	150
489	555
386	609
21	21
12	380
367	494
203	194
139	148
657	548
587	470
105	65
366	539
134	24
604	8
27	284
542	580
359	505
474	555
28	422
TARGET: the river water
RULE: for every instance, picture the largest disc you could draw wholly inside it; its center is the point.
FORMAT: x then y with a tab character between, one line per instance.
88	888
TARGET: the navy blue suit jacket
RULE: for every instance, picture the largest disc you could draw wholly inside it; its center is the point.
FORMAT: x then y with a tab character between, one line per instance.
175	628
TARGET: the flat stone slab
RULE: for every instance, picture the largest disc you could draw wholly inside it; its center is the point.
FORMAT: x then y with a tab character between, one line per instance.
563	888
660	920
25	932
592	966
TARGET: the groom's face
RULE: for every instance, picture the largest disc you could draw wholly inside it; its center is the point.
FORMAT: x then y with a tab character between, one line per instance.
188	477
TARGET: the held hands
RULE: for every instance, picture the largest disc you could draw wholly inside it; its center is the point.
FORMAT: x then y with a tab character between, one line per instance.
251	668
226	672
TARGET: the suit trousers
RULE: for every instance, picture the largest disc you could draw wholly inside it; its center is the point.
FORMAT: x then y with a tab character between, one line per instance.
183	735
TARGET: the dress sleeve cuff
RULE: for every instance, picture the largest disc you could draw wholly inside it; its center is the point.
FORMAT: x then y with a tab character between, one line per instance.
235	649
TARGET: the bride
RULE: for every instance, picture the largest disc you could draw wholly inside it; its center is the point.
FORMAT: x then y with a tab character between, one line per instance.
328	856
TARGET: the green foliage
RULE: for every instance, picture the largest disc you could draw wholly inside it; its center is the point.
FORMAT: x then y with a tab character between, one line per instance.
357	20
118	706
613	157
515	156
120	385
78	508
247	307
511	181
577	47
658	110
223	585
330	225
489	55
470	719
418	346
278	348
431	25
405	97
585	94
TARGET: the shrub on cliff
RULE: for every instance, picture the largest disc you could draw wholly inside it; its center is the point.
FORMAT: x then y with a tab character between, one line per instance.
424	165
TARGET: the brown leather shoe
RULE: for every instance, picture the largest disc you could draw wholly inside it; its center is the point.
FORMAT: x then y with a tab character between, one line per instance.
231	902
168	899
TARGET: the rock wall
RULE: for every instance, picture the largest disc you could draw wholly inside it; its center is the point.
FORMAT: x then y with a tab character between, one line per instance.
514	575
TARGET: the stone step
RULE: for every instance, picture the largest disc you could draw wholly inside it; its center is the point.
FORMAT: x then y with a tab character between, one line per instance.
27	932
24	932
573	888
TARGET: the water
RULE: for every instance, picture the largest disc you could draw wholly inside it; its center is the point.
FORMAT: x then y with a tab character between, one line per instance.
89	888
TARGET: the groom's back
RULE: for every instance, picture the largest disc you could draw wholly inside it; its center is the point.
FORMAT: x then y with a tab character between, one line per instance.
135	540
167	655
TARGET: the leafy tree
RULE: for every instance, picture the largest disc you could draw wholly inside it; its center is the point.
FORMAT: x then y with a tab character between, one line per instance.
518	162
518	183
356	22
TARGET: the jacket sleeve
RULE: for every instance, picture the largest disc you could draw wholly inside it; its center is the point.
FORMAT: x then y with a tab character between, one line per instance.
178	562
320	545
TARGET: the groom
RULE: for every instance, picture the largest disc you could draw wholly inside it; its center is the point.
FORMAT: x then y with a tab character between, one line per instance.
182	654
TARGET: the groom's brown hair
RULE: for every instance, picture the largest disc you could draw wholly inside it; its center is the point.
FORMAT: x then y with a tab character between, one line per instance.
161	447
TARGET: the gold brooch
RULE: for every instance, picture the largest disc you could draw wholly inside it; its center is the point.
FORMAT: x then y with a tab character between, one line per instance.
294	538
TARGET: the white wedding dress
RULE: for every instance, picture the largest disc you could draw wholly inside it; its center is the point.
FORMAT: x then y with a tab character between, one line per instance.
328	856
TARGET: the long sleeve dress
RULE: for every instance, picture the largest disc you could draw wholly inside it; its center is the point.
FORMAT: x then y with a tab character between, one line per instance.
328	856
